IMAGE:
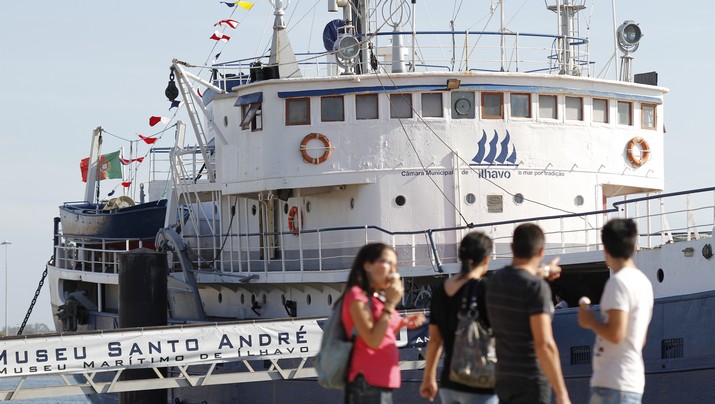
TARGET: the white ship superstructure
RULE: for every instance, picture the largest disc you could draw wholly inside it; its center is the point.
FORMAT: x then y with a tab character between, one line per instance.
297	162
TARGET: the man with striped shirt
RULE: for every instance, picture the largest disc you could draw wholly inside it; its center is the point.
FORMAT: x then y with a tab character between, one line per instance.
519	305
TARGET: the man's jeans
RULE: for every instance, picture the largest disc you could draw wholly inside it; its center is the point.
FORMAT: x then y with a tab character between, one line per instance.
450	396
359	392
603	395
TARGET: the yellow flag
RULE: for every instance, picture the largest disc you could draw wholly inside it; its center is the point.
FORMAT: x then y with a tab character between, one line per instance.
246	5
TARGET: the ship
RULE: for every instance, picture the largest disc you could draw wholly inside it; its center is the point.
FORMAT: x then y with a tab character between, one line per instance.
412	138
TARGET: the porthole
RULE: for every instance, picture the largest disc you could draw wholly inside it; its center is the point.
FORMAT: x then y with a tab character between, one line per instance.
352	203
225	121
470	198
283	299
400	200
265	298
518	199
253	298
285	208
243	299
330	300
661	275
253	210
578	200
308	299
307	206
220	297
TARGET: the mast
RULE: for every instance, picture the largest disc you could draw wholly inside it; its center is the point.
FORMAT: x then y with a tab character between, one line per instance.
91	190
282	54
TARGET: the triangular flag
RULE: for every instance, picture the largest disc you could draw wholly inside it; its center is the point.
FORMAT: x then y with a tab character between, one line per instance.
148	140
126	184
228	23
175	104
229	3
216	57
138	159
217	36
153	120
246	5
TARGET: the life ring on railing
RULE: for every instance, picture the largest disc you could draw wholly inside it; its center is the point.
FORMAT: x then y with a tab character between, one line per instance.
326	144
638	142
293	225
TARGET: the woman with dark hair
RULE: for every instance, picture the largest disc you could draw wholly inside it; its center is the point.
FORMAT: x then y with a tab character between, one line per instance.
474	253
373	291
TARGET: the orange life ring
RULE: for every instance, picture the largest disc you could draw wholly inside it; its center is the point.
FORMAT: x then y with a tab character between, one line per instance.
644	154
293	225
304	148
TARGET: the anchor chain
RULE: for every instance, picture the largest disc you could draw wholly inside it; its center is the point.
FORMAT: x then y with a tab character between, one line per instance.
34	299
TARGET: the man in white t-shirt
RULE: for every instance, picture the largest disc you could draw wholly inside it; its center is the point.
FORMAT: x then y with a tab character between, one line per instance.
626	310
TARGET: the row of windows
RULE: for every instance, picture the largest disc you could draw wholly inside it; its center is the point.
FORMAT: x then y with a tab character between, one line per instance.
332	108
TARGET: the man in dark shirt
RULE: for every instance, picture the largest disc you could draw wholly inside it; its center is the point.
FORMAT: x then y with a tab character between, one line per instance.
519	305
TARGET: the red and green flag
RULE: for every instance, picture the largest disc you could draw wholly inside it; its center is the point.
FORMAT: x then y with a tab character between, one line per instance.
110	166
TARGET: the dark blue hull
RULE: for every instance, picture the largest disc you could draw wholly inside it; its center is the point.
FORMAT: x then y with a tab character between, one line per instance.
679	353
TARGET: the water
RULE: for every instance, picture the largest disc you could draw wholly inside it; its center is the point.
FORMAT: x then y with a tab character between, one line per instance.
41	381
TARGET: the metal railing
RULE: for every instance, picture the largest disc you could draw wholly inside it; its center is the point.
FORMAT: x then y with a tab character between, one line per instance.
661	219
443	50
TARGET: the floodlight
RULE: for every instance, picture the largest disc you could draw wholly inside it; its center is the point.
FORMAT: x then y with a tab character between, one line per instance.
629	35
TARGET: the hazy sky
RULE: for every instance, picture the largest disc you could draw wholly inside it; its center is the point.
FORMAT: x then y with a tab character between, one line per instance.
68	67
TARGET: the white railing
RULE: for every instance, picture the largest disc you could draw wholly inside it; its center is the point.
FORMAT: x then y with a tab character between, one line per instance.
661	219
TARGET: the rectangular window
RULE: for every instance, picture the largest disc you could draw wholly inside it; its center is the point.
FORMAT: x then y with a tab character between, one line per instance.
547	107
521	105
648	116
600	110
332	109
432	105
574	109
251	116
298	111
625	113
492	105
366	106
401	105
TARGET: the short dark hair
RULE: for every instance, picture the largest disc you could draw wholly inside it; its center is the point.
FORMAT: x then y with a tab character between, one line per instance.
475	246
619	237
368	253
528	240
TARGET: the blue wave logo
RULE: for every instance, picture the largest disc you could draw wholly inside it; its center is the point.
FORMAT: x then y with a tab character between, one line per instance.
487	154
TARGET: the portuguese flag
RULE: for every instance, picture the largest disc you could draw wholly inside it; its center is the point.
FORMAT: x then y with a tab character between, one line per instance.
109	166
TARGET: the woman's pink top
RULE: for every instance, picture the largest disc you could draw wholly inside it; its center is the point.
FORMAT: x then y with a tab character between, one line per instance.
380	366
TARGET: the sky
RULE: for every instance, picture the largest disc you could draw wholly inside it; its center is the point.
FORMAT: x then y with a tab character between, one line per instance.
68	67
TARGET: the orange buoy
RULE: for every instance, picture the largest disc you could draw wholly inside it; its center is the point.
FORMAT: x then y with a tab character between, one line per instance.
638	142
326	144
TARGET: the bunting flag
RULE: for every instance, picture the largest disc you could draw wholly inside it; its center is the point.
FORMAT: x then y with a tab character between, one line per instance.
246	5
229	23
217	36
126	184
153	120
175	104
126	162
216	57
109	166
148	140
